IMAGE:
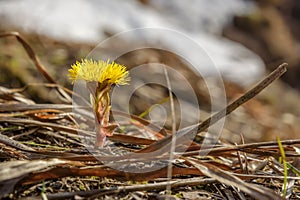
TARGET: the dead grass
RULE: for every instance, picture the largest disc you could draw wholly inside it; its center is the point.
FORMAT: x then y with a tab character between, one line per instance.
43	155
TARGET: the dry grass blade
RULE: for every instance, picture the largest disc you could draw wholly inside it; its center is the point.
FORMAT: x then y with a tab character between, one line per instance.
279	71
53	85
14	169
261	148
103	171
13	143
26	107
44	124
130	139
40	132
173	142
184	136
11	95
32	55
222	176
130	188
252	176
11	172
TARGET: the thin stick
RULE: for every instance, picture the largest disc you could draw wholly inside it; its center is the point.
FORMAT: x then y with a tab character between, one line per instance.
184	136
173	142
13	143
245	147
244	98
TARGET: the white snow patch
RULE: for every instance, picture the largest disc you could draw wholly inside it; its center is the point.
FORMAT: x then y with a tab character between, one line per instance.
88	21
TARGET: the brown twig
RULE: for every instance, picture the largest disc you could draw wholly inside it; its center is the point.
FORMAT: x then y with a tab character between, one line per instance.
252	147
185	136
32	55
13	143
173	117
244	98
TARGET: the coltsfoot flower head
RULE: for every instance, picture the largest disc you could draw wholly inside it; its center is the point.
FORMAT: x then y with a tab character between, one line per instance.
99	71
104	74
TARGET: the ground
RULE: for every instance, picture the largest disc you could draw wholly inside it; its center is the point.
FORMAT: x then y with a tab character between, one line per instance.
45	152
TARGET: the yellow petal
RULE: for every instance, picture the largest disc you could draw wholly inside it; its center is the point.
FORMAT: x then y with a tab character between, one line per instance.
90	70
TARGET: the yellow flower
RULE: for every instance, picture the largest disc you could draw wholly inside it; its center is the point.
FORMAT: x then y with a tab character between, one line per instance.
101	71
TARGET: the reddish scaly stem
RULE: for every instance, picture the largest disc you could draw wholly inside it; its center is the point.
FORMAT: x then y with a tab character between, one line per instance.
102	111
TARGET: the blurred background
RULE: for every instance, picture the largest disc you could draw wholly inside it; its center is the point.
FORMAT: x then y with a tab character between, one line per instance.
244	38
